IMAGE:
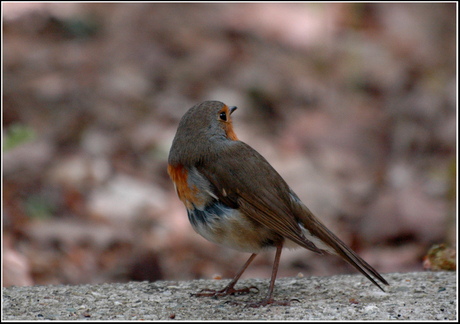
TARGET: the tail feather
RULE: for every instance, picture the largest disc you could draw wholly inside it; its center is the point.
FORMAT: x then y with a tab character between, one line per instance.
333	244
349	255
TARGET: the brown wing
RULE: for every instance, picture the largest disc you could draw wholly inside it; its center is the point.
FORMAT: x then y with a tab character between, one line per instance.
248	182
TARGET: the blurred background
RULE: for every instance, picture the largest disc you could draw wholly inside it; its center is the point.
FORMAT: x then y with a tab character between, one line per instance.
353	104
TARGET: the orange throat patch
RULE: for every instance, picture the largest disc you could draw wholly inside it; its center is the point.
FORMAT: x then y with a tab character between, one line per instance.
230	133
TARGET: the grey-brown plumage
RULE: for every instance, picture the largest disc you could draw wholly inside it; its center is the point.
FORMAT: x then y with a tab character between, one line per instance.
236	198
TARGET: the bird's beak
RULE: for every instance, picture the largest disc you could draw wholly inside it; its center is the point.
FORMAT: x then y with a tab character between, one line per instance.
232	109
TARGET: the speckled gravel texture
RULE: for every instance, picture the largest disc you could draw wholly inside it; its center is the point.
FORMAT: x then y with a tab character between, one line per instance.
410	296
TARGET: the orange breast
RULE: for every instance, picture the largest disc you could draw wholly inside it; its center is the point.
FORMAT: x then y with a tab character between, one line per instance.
187	195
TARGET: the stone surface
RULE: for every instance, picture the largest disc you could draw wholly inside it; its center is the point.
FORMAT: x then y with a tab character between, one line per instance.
410	296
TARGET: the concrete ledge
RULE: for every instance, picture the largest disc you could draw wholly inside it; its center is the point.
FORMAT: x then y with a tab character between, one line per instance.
410	296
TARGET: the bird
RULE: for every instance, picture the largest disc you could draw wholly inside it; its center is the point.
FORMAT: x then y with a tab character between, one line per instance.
235	198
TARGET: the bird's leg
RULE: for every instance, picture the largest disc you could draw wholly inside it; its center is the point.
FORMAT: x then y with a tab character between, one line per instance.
269	300
229	290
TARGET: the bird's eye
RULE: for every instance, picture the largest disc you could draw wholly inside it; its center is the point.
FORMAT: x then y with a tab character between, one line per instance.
223	116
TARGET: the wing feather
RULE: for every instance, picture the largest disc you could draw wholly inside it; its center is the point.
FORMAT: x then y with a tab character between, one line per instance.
263	198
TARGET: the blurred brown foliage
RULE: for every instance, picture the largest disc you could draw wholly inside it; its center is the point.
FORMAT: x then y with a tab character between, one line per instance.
354	105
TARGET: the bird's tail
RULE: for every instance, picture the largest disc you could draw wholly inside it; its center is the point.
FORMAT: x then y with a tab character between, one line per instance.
325	240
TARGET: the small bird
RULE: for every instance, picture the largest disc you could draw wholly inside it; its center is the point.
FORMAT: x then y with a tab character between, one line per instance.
235	198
